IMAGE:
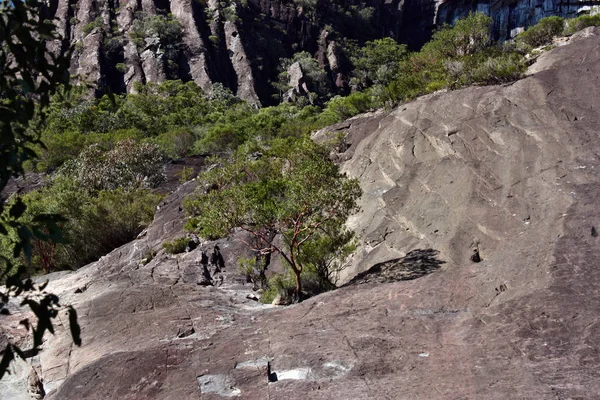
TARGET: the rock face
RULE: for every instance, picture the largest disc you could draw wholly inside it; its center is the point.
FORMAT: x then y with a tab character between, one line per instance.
511	171
235	43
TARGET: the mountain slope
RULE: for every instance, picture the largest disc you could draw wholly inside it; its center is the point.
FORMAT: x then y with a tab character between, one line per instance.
511	170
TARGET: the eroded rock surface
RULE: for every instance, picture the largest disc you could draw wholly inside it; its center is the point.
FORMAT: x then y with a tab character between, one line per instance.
510	170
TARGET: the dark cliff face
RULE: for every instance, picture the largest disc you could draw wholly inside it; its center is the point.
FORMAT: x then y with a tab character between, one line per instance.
236	43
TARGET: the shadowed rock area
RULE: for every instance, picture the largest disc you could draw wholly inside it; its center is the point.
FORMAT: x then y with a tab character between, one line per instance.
510	171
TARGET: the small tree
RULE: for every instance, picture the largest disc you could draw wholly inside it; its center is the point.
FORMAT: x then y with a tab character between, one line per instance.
290	188
378	62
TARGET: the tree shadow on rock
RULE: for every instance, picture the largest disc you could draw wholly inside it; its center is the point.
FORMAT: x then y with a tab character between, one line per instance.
415	264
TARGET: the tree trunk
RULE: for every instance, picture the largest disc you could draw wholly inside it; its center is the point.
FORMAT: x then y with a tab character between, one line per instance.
298	287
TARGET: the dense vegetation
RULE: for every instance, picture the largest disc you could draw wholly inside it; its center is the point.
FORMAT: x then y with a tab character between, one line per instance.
106	154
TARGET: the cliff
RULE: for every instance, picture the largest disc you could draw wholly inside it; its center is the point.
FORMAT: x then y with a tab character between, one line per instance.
236	43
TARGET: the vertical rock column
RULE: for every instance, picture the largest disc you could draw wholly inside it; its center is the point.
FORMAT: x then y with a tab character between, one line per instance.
134	72
241	64
88	69
195	51
151	59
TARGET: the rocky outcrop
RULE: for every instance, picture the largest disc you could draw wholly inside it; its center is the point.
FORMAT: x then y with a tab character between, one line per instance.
511	171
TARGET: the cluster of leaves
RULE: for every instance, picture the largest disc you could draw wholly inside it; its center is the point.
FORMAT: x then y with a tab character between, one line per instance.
127	165
576	24
88	28
262	190
28	75
543	32
377	63
548	28
92	224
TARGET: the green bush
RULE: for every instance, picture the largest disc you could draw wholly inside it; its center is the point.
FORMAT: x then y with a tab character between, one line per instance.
94	224
502	69
88	28
378	62
468	36
543	32
166	27
127	165
341	108
576	24
122	68
176	246
176	143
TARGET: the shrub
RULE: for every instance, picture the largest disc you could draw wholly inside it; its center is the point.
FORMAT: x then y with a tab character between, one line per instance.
267	194
113	45
127	165
88	28
186	174
468	36
341	108
501	69
176	143
148	257
543	32
315	77
166	28
122	68
576	24
176	246
378	62
93	225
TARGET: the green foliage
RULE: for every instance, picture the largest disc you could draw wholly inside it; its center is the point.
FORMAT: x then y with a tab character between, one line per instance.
113	46
468	36
88	28
149	256
341	108
576	24
122	68
176	246
543	32
165	27
186	174
127	165
262	190
282	285
314	76
501	69
93	224
378	62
